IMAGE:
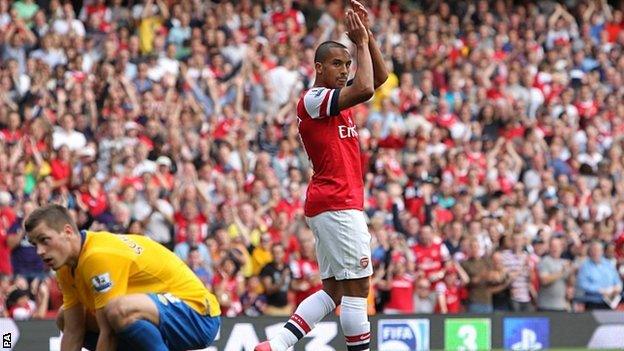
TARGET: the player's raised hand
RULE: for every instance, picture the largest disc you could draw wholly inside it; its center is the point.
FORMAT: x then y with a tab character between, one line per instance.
355	29
361	11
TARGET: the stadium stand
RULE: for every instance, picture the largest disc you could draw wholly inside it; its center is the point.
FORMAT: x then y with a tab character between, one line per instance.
492	155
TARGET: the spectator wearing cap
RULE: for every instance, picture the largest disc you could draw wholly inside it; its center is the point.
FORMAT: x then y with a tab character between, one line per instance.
540	248
598	282
554	277
163	176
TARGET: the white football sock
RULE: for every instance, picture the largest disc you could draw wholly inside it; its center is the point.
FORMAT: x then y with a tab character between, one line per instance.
354	322
311	311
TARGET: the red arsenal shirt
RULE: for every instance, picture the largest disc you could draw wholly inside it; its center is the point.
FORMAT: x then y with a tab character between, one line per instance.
430	259
331	141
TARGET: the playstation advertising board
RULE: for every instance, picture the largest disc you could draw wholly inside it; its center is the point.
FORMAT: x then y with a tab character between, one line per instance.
510	331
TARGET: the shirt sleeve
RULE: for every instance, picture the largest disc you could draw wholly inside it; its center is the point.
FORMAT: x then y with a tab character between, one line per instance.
321	102
106	276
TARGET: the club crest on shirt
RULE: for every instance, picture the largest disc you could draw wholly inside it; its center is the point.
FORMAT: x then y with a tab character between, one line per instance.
364	262
102	283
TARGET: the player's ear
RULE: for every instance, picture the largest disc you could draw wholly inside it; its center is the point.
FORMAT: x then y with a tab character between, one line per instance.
68	230
318	67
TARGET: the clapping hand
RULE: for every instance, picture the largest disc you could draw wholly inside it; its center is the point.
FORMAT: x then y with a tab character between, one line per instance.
361	11
356	31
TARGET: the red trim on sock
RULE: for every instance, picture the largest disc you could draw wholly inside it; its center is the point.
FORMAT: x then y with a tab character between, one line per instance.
300	322
356	338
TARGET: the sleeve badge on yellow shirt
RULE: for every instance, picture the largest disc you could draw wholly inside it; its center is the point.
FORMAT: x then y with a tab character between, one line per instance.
102	283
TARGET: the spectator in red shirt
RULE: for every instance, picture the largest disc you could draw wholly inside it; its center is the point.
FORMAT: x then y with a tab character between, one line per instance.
5	252
229	285
616	26
400	285
7	213
292	204
190	214
282	231
93	198
286	13
449	289
12	133
61	168
431	254
306	277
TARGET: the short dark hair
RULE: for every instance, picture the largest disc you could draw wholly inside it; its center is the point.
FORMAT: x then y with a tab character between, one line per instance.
54	216
322	51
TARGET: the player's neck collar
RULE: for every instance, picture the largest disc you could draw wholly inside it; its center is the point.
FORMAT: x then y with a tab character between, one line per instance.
83	238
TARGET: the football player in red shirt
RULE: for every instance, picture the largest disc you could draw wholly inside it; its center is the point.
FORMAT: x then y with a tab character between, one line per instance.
335	197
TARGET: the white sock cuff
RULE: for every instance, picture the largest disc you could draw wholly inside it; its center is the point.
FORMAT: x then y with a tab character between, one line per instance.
354	303
327	300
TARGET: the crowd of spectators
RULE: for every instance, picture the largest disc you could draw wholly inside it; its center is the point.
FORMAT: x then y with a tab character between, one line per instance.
493	154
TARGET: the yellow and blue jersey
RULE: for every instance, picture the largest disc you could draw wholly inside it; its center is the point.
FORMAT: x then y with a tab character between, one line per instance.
112	265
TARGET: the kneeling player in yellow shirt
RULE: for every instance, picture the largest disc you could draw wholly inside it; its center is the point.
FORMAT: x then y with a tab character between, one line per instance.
143	297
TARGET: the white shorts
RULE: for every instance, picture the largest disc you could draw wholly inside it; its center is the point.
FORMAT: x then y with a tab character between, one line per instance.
342	244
